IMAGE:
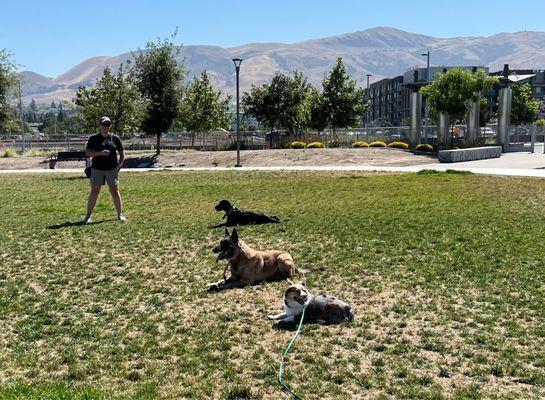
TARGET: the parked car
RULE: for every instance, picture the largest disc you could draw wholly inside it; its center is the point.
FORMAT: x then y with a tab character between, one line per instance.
487	132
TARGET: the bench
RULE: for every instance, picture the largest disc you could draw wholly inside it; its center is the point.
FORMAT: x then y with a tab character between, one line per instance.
469	154
69	156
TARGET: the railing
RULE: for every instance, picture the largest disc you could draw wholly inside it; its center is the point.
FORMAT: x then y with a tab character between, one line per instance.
222	140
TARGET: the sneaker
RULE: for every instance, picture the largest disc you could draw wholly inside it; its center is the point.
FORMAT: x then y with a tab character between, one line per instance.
121	218
87	219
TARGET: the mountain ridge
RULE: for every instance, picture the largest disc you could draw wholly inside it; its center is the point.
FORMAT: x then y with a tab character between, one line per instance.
380	51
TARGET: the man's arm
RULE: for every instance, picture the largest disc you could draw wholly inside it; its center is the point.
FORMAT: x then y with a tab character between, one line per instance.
90	150
121	158
92	153
121	150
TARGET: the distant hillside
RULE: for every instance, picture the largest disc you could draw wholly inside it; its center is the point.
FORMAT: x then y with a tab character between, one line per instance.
382	52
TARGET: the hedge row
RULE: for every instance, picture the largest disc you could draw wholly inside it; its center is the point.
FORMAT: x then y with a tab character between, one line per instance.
362	144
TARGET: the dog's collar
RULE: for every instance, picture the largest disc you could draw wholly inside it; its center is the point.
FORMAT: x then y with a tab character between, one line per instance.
231	210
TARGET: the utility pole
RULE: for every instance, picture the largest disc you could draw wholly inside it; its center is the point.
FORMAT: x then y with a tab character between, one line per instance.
427	106
21	120
368	113
237	62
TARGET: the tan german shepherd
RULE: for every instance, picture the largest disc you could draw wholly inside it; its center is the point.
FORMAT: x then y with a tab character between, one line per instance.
249	266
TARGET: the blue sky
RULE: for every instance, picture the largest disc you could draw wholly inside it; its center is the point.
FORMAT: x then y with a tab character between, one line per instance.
49	37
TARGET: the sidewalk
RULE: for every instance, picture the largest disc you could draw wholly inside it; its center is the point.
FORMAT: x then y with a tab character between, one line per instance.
509	164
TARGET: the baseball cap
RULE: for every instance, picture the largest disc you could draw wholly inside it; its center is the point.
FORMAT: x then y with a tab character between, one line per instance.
105	120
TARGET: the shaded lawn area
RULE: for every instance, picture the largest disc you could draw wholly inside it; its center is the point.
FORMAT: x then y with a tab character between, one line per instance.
445	271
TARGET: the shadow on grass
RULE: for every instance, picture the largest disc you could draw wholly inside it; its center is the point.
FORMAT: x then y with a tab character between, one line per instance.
276	278
135	162
291	326
72	178
226	225
77	223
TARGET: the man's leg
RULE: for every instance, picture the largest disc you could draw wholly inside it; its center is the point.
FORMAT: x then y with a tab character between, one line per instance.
112	179
116	197
93	196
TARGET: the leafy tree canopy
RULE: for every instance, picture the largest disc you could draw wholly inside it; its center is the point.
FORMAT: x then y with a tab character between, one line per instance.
525	109
159	79
115	96
453	91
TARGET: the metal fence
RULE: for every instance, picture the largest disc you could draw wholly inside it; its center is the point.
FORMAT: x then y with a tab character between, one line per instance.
223	140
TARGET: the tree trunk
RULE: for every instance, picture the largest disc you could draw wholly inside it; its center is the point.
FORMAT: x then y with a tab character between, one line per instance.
192	140
158	148
271	139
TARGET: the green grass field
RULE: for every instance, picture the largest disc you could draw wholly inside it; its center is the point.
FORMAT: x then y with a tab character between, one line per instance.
446	273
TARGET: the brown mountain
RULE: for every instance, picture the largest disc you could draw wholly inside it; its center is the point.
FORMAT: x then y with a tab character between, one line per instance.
382	52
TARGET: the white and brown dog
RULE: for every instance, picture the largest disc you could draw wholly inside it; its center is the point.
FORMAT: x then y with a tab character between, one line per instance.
322	309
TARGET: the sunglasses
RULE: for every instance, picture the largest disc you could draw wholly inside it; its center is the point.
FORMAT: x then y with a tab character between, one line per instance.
105	124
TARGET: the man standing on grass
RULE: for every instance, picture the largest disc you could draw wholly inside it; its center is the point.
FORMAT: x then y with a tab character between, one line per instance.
103	148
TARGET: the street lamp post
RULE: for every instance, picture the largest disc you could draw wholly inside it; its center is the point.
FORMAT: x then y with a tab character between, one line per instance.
368	110
23	149
427	108
237	62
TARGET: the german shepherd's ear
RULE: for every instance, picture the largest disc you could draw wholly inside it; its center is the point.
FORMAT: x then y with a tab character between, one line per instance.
234	235
227	232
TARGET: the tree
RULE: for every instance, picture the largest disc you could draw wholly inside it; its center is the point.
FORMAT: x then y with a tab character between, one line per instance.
53	105
159	79
203	109
60	114
297	103
524	108
453	91
318	119
49	124
114	96
284	102
32	115
258	104
342	102
8	80
485	115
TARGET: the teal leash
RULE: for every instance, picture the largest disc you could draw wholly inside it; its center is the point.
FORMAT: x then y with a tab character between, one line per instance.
281	370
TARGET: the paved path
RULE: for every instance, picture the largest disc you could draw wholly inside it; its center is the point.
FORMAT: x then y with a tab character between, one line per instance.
509	164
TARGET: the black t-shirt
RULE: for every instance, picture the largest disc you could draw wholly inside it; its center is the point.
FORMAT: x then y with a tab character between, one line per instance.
98	143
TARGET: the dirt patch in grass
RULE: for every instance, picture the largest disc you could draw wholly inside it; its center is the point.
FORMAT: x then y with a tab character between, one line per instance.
284	157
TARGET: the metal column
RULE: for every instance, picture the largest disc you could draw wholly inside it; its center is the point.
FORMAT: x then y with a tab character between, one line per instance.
416	117
504	117
473	122
443	133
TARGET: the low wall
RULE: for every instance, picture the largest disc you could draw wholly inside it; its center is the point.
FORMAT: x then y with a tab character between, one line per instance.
471	154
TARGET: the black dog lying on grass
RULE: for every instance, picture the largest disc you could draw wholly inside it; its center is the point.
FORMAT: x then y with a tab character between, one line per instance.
235	216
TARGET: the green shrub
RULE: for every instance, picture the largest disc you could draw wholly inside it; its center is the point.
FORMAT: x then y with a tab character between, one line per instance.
316	145
360	143
399	145
377	143
540	122
297	145
8	152
40	153
424	147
